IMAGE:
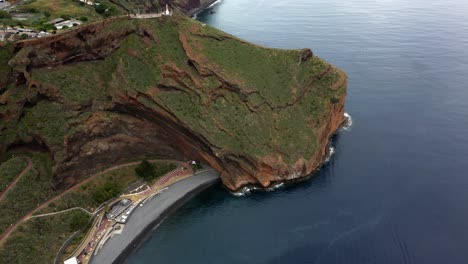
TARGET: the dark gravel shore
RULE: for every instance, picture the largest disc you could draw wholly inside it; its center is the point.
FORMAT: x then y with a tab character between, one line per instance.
144	218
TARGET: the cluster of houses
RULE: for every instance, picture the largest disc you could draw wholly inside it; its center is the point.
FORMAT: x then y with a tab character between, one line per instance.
13	33
89	2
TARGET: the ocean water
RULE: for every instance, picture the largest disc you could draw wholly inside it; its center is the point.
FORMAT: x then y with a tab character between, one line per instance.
396	189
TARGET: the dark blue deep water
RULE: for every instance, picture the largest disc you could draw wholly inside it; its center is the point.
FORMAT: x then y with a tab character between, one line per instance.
396	191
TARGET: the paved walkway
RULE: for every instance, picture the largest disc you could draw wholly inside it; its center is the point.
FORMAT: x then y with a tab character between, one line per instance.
144	217
149	15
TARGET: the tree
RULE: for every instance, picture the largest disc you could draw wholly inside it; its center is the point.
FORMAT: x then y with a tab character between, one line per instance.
146	170
66	17
47	27
78	221
4	14
106	192
100	8
196	166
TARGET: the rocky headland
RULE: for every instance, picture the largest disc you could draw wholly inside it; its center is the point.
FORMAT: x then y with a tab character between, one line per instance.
170	87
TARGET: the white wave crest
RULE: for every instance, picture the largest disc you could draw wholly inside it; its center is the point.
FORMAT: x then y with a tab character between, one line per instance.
331	151
275	186
215	3
245	191
348	122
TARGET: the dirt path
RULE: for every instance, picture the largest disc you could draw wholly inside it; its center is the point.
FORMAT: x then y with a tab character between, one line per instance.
61	212
15	181
10	229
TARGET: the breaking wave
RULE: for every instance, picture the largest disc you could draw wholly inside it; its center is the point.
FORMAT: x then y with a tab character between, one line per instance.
348	123
245	191
195	16
331	151
215	3
275	186
249	189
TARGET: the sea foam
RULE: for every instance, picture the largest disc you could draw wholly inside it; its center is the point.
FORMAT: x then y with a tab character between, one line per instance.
331	151
348	122
215	3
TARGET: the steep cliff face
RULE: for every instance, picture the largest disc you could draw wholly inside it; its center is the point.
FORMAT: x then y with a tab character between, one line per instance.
174	88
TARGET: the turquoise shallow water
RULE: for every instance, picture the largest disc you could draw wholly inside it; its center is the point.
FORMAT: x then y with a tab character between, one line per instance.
395	190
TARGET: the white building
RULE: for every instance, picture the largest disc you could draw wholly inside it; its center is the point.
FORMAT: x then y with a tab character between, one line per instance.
88	2
71	261
68	23
167	12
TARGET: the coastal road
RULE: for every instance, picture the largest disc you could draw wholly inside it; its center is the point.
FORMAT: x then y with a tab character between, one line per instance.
153	212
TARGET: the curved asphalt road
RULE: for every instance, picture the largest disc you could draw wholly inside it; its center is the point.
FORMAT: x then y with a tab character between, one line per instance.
145	217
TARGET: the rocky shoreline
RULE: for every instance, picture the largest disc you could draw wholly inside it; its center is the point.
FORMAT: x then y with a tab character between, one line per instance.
247	189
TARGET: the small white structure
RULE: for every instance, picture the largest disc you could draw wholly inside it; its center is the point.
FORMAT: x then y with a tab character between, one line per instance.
71	261
88	2
167	12
68	23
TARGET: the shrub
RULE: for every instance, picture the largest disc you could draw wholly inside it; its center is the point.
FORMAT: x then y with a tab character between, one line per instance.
47	27
83	18
106	192
100	9
78	221
66	17
4	14
146	170
197	166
